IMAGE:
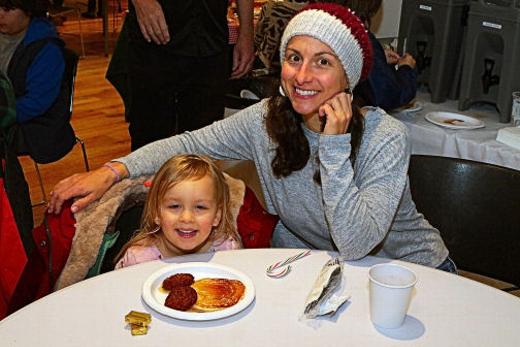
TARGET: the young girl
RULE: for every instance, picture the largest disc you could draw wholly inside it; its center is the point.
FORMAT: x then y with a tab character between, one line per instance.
187	211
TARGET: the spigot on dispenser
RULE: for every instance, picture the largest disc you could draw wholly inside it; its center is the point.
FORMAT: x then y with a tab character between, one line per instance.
422	61
488	79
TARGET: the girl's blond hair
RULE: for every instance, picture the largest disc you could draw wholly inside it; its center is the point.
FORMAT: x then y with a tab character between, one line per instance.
176	170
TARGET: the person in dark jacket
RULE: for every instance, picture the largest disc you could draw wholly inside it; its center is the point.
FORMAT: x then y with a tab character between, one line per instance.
7	103
392	83
33	56
22	24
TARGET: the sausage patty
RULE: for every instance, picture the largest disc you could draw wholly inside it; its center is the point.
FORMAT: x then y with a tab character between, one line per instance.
181	298
178	280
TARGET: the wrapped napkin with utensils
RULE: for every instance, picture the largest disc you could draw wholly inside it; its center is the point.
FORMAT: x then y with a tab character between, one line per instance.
328	292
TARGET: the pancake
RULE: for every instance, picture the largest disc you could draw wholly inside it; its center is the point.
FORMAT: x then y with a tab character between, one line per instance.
215	294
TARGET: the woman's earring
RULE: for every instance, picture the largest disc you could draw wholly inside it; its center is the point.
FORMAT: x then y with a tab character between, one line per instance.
280	90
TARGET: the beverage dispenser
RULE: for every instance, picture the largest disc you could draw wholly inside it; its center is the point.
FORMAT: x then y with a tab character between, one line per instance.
491	70
432	31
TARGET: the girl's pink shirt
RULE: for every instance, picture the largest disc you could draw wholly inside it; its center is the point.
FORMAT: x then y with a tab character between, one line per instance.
140	254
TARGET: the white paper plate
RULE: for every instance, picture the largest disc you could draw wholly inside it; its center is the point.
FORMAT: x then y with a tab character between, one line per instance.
454	120
416	106
154	297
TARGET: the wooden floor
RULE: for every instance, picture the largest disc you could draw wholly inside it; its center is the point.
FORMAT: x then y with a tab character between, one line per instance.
98	112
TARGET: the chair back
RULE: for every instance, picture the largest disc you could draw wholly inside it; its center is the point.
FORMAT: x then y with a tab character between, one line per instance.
476	207
71	69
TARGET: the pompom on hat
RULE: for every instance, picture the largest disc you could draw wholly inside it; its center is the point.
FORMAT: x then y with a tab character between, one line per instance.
339	28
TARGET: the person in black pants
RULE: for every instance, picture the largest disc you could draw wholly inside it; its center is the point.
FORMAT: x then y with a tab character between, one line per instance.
176	64
91	9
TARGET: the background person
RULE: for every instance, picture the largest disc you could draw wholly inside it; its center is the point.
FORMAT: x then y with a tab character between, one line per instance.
176	64
392	83
94	9
7	103
336	185
273	18
270	26
186	211
33	58
30	55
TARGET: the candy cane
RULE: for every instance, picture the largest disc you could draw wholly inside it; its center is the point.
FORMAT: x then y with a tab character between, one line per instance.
271	269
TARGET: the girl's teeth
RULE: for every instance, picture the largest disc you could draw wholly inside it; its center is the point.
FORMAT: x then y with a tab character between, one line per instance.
305	92
186	233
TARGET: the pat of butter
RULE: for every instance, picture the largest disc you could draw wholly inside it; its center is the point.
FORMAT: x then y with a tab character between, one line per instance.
138	330
139	318
509	136
138	322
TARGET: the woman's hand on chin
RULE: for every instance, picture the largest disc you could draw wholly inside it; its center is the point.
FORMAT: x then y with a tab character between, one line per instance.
86	187
338	111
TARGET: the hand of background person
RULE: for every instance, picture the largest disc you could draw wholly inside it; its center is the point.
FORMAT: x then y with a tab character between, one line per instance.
151	21
243	53
392	57
407	59
338	111
86	187
243	57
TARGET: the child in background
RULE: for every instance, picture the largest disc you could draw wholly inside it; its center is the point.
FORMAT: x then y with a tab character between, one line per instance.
392	82
187	211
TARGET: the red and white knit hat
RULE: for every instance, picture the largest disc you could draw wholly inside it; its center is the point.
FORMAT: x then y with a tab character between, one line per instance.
339	28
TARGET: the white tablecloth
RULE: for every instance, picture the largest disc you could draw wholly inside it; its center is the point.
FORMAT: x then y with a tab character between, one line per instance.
477	144
446	310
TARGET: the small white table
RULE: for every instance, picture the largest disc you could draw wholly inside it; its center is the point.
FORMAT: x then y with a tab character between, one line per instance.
477	144
446	310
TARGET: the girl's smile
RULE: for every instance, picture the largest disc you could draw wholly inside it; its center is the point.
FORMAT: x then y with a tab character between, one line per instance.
186	233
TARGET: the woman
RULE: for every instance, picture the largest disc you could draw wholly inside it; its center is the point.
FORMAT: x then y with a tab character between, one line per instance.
335	175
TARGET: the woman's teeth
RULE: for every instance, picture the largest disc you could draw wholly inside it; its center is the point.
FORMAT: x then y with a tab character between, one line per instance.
305	92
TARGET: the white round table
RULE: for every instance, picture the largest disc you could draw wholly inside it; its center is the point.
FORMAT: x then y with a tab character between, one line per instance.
446	310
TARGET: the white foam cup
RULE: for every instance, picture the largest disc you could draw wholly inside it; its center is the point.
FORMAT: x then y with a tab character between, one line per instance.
391	288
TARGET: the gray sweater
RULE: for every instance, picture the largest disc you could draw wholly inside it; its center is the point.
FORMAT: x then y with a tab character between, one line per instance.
360	211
